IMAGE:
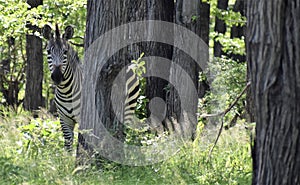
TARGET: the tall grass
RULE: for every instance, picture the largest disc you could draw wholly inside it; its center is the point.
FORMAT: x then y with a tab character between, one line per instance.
31	152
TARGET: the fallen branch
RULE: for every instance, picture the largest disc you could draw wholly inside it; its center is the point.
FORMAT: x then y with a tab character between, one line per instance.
228	108
223	113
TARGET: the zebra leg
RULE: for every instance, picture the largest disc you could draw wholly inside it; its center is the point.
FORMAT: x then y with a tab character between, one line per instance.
68	132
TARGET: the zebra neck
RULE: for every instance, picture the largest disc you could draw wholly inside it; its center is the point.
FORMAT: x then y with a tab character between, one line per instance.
73	57
68	78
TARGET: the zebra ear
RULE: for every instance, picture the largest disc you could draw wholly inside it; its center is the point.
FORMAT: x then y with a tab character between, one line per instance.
47	32
69	31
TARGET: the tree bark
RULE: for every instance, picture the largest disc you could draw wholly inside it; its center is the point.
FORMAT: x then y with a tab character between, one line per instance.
204	21
238	31
97	104
250	117
273	55
10	84
103	16
185	10
220	27
34	68
156	87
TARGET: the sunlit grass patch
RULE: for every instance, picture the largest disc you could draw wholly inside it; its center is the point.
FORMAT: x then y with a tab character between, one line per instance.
32	153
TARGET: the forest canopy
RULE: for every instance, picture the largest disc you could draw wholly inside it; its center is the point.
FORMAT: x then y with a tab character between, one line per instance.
15	17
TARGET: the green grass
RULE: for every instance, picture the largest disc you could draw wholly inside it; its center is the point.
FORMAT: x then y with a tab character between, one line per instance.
32	153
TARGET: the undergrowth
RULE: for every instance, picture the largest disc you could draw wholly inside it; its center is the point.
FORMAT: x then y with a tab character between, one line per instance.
32	153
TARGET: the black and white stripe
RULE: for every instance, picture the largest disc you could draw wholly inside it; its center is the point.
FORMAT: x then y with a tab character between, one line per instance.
66	72
132	93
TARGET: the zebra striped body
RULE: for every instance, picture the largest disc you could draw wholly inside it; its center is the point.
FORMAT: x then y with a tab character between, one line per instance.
67	98
132	93
66	73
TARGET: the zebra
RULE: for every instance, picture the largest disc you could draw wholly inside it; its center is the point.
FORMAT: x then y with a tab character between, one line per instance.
67	75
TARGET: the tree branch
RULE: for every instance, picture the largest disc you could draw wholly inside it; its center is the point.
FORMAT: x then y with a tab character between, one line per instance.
223	115
228	108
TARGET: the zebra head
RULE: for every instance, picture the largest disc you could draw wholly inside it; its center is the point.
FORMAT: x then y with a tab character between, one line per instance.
58	51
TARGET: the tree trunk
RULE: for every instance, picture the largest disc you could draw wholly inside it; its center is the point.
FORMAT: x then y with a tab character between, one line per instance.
34	68
98	97
220	27
203	22
103	16
156	87
185	10
10	82
238	31
273	48
96	108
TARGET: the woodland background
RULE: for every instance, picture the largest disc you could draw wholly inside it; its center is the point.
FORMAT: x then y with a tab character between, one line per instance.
29	128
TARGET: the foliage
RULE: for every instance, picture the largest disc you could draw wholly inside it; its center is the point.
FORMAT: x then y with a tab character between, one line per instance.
227	79
230	45
33	147
136	136
140	69
12	77
15	15
29	157
231	18
226	76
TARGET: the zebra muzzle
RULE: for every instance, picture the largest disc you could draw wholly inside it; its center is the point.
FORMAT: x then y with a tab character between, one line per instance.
57	76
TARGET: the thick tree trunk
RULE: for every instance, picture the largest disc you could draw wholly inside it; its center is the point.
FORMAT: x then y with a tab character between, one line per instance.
97	100
124	12
220	27
34	68
273	55
156	87
102	16
97	115
185	10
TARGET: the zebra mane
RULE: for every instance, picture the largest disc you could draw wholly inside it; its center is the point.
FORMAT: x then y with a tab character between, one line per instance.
74	55
57	33
60	42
